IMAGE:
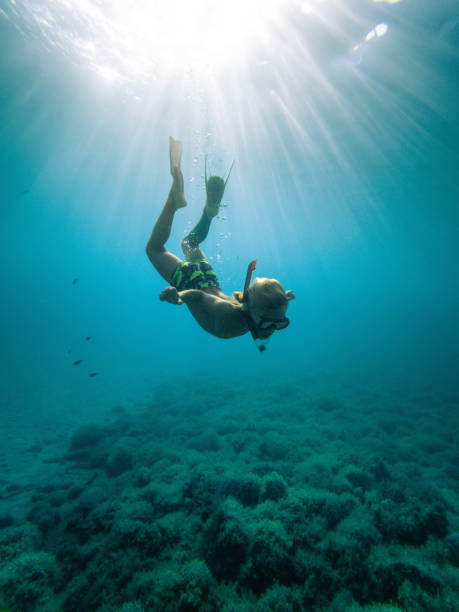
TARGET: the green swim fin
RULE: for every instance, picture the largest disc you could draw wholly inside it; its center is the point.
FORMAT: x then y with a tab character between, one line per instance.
215	186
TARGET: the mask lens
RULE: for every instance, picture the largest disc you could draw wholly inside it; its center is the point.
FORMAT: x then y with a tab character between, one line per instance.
282	324
274	323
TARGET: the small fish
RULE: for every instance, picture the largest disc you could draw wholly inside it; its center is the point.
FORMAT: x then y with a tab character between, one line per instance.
25	192
88	338
69	350
94	374
75	280
77	362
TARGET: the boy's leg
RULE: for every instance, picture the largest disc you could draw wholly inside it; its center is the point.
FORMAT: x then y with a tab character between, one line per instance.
215	187
165	262
190	244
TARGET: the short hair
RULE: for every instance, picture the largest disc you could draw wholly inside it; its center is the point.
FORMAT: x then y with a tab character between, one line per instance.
268	294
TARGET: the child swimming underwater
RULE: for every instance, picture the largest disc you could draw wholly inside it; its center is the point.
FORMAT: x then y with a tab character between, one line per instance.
260	308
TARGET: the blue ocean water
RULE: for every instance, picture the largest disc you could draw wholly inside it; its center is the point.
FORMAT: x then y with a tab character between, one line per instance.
341	119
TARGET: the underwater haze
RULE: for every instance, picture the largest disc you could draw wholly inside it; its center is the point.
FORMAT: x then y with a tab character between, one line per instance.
147	465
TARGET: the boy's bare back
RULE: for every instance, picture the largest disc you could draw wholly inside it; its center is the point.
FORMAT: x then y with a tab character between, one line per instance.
217	313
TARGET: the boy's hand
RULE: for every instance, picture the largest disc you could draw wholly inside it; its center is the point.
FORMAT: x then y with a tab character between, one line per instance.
170	294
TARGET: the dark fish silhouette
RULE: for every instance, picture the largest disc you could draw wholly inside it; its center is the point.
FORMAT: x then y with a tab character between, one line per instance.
69	350
75	280
94	374
25	192
77	362
88	338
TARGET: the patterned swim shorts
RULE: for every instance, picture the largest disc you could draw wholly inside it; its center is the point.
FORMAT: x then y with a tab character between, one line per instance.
194	275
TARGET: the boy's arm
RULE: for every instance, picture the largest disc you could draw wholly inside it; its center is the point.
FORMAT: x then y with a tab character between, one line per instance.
219	317
194	295
171	295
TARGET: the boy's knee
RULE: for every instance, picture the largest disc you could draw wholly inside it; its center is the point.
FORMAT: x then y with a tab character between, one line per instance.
151	250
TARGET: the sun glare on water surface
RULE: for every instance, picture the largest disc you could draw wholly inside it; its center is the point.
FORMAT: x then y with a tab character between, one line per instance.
237	66
137	40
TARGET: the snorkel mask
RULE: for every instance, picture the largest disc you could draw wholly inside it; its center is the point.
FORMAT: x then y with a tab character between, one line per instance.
264	325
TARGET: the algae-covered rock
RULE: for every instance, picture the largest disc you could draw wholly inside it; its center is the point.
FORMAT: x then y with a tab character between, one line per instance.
226	541
17	540
27	582
87	436
132	606
119	462
244	487
271	556
6	520
175	588
452	548
412	522
274	487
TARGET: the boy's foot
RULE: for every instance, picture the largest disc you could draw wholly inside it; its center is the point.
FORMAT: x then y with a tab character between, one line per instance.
211	211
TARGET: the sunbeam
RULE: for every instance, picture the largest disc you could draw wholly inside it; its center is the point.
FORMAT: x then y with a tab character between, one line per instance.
139	40
320	83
